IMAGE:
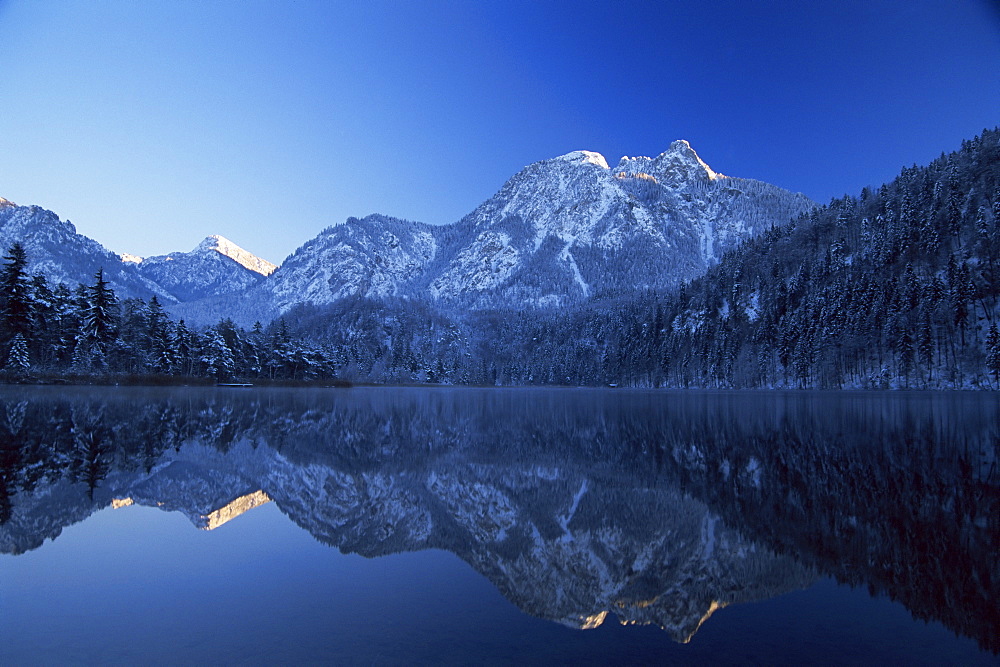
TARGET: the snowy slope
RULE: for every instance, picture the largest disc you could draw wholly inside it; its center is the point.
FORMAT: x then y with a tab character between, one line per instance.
571	227
376	256
216	266
56	250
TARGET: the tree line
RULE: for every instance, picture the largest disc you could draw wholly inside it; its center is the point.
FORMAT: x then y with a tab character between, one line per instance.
86	331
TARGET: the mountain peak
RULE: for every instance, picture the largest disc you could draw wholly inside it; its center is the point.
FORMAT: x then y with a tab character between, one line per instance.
676	166
227	248
584	157
6	202
681	155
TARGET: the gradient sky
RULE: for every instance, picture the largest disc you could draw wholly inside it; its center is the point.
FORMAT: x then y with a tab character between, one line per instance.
151	124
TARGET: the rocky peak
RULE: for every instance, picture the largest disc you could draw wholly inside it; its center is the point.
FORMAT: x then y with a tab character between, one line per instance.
227	248
677	166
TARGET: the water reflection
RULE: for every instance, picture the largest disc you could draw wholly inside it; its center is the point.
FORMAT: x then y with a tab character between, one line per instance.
658	508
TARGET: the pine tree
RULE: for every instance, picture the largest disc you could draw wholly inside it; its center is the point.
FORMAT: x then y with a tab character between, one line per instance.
15	294
157	338
993	352
17	358
99	321
925	340
64	324
44	321
182	345
217	358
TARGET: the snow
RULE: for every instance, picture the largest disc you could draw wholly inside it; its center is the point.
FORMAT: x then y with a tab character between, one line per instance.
485	264
246	259
651	222
567	256
682	148
585	157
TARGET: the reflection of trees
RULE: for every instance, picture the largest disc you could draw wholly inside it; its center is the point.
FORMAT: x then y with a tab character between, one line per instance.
897	493
895	517
92	446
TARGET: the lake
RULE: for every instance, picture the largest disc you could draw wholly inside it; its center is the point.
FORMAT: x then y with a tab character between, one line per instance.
450	525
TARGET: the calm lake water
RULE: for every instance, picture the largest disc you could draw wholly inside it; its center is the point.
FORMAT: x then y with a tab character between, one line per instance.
388	526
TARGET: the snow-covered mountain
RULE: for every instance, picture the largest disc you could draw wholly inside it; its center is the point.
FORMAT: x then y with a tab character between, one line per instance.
377	256
55	250
571	227
216	266
558	232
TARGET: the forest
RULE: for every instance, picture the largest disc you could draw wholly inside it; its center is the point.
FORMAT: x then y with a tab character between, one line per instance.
86	333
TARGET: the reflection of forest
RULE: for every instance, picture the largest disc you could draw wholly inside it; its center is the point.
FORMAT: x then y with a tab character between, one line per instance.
896	492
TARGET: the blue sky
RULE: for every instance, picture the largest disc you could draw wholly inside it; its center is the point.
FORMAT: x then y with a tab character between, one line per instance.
151	125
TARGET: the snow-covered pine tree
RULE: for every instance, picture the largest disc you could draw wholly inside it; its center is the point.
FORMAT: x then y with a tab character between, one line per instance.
160	357
15	294
182	344
993	353
17	359
45	332
100	317
217	358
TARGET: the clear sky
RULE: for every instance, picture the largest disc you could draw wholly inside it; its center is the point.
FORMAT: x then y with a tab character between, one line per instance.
152	124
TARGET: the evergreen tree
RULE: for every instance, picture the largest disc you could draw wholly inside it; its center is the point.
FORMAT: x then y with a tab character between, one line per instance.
182	345
15	294
160	357
100	317
17	359
993	353
217	358
44	322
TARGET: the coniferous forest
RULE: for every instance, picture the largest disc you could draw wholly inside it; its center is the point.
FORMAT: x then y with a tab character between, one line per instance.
893	288
85	332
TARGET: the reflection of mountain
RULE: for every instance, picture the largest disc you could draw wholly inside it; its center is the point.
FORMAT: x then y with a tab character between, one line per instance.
658	508
559	544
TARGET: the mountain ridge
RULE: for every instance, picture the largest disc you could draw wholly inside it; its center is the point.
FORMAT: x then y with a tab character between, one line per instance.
558	232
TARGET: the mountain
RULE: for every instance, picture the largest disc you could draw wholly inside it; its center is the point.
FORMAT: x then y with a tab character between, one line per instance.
377	256
897	287
55	250
216	266
894	288
558	232
565	229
